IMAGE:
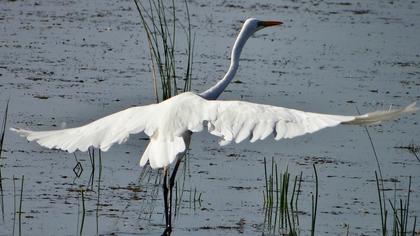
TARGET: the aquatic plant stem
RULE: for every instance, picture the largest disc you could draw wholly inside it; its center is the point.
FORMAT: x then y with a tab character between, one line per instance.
382	206
20	205
161	37
314	203
83	211
14	205
1	151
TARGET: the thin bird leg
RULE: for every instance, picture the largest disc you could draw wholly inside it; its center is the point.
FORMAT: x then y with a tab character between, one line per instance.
172	179
171	185
165	195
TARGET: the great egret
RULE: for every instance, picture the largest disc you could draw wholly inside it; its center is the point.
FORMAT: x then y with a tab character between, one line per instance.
170	123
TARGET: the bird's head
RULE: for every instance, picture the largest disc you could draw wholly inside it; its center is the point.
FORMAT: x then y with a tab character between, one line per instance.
252	25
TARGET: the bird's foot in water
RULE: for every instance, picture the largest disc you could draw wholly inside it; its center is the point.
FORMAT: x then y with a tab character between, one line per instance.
167	231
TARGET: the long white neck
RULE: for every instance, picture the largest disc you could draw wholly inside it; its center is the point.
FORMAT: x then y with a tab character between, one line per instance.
214	92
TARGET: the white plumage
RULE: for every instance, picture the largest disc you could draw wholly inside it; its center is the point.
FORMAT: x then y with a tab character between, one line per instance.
169	123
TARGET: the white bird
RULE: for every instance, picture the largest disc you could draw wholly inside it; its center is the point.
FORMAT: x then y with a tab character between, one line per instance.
170	123
95	135
167	123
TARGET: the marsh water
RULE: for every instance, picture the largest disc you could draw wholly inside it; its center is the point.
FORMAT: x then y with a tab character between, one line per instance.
65	63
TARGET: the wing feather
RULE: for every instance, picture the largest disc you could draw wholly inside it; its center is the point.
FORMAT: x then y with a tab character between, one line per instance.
238	120
102	133
169	124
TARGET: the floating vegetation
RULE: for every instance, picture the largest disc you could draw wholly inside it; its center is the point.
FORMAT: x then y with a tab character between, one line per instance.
160	23
412	148
282	214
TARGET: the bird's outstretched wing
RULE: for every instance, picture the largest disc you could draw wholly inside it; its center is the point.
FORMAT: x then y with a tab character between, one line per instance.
170	123
102	133
236	121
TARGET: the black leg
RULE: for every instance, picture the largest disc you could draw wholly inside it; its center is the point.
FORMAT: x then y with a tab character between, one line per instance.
167	191
165	198
171	185
172	179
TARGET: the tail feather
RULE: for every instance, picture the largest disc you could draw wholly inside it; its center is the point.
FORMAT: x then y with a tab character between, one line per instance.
161	153
379	116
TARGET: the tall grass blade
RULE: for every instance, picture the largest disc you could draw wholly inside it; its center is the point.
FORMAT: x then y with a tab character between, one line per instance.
376	159
3	131
14	205
20	206
381	206
266	182
314	203
160	25
91	153
83	211
280	213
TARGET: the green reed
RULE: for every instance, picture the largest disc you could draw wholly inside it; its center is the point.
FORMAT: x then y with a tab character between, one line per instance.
400	213
91	153
281	201
314	203
14	205
194	199
160	22
3	131
83	213
171	65
15	211
20	205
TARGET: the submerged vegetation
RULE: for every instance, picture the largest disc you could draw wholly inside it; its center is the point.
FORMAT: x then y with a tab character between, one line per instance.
412	148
